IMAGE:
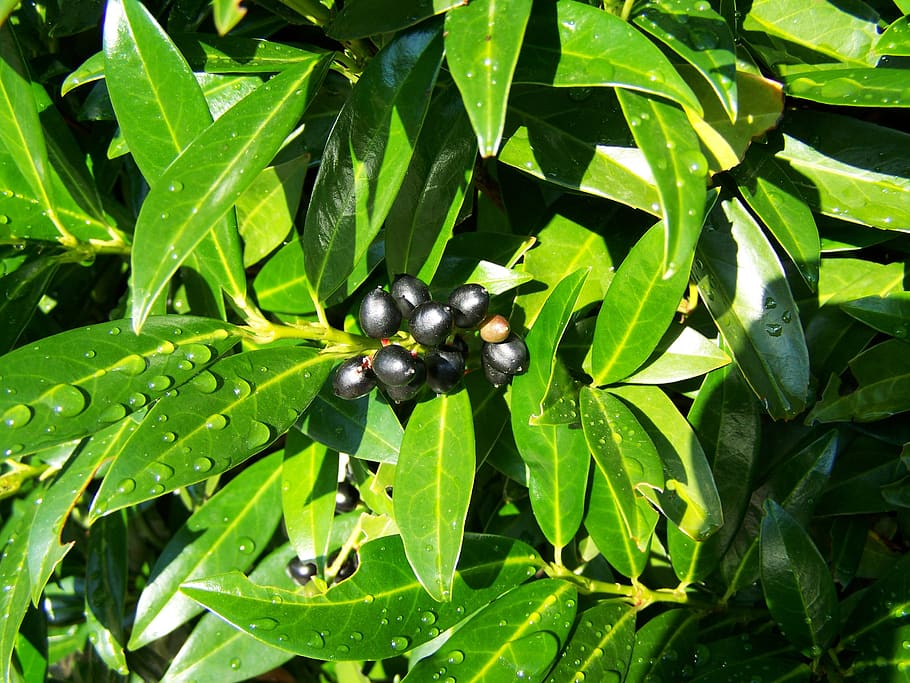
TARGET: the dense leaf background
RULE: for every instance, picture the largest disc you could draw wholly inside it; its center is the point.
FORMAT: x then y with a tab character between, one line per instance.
694	212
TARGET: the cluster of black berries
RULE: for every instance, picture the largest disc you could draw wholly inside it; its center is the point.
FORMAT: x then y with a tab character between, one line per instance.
401	372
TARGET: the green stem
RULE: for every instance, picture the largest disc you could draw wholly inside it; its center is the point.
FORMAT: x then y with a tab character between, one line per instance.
353	538
626	9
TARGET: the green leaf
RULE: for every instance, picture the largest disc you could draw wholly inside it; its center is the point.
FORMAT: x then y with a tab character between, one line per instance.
777	202
749	655
24	288
105	590
365	428
576	45
689	499
433	484
682	354
849	169
845	31
798	589
882	612
75	383
699	35
600	647
206	545
309	482
345	623
203	183
889	313
745	289
580	142
363	18
660	646
433	191
367	155
858	87
516	637
556	456
482	42
218	652
454	271
225	415
637	309
227	14
895	40
883	374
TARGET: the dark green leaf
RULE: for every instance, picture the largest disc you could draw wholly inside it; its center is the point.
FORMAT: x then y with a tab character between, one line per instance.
661	645
358	618
433	484
798	588
367	155
105	590
600	646
882	613
363	18
228	55
889	313
24	288
309	479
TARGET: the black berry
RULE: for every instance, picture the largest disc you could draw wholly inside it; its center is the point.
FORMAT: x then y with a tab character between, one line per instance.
379	315
494	376
431	323
445	368
395	366
346	497
409	292
353	378
404	393
469	305
510	357
301	571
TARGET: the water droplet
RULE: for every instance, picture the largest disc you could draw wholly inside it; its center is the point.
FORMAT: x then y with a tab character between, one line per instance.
241	388
160	383
314	640
399	643
169	437
368	599
342	649
786	316
263	624
175	186
428	618
258	434
132	364
216	422
246	545
166	348
769	303
695	162
774	329
533	618
15	448
235	663
703	40
18	415
156	489
455	657
202	464
137	400
89	354
66	400
356	635
127	485
160	471
205	382
4	219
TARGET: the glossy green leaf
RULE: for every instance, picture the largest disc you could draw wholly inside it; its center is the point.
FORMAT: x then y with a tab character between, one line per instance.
883	376
777	202
75	383
363	18
689	499
699	35
574	44
482	42
857	87
365	428
856	171
637	309
516	637
91	70
205	180
661	645
428	204
367	155
798	589
682	354
433	484
454	271
895	40
105	590
309	478
882	613
24	288
206	545
579	142
726	418
225	415
347	618
889	313
227	14
556	456
215	650
600	646
750	655
745	289
845	31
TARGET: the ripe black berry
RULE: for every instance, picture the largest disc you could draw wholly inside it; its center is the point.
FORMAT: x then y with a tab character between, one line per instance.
495	329
469	305
494	376
445	368
379	315
346	497
409	292
353	378
394	365
510	356
301	571
431	323
401	394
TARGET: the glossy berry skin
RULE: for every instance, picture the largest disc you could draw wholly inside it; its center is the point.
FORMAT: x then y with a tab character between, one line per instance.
379	315
469	305
353	378
445	368
431	323
509	357
495	329
494	376
394	366
346	497
408	293
407	391
302	572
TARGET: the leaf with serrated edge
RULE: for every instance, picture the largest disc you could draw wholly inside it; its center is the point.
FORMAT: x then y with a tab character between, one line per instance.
225	415
364	609
207	544
433	483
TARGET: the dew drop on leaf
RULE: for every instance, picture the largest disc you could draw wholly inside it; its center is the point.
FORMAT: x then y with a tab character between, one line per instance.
137	400
132	365
399	643
314	640
258	435
455	657
169	437
166	348
160	383
202	464
205	382
342	649
66	400
216	422
159	471
235	663
175	186
428	618
127	485
263	624
197	353
156	489
17	416
241	388
246	545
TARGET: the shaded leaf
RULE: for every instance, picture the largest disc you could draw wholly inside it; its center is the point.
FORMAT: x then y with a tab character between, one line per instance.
682	354
363	18
105	590
600	646
889	313
309	479
661	644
